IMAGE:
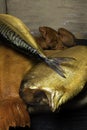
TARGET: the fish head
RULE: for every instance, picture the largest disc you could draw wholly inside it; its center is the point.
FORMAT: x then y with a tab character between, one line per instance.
39	88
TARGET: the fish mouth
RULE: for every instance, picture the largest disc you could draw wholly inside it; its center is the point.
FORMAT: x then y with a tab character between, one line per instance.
36	100
39	100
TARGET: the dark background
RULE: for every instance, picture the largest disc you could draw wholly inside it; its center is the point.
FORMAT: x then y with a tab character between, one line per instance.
64	120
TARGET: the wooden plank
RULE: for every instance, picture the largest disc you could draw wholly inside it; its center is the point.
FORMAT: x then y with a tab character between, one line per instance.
2	6
70	14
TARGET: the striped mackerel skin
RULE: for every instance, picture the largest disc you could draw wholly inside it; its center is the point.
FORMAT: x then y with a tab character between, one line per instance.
14	38
18	35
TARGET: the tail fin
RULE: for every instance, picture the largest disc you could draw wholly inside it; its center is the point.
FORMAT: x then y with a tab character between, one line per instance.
55	63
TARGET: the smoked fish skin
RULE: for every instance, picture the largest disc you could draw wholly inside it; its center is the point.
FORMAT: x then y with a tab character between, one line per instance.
42	86
16	32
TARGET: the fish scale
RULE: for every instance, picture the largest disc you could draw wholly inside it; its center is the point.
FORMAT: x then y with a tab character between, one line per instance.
10	35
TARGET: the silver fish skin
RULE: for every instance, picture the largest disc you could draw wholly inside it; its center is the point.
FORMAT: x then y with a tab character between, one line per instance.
19	36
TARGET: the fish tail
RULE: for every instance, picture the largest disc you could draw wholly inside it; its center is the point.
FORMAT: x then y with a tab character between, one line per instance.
55	63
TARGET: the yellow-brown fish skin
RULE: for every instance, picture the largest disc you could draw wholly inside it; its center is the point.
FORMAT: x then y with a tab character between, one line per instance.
19	36
57	90
19	28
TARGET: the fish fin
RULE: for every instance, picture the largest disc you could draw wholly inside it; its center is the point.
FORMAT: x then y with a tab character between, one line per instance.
55	63
61	60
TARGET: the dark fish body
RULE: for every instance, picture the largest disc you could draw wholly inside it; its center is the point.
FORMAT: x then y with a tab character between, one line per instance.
19	36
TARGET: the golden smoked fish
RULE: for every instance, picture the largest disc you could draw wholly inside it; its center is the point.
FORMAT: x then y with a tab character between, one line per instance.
41	86
19	36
